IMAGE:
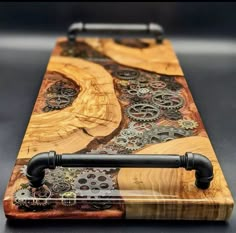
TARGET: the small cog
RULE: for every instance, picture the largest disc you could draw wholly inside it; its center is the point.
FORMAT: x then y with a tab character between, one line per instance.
173	114
41	196
68	198
58	102
188	124
61	187
68	92
21	196
174	86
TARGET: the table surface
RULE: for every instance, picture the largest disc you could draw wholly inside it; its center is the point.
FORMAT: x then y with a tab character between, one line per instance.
210	70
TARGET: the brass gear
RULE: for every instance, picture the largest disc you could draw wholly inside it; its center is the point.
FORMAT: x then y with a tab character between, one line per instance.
188	124
68	199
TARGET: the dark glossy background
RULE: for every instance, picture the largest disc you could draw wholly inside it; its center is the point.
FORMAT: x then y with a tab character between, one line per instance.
203	35
190	19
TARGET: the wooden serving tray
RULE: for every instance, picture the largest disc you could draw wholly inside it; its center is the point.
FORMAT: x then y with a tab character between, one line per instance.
107	96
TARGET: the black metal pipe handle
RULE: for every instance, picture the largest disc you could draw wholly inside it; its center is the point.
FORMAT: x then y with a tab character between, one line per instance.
151	29
189	161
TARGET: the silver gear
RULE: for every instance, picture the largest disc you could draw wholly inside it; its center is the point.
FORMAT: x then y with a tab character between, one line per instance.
55	175
93	184
132	92
58	102
61	187
126	74
130	143
138	89
143	112
42	193
134	143
140	127
21	196
128	133
68	198
164	134
167	100
41	202
142	79
69	92
143	91
157	84
41	196
121	141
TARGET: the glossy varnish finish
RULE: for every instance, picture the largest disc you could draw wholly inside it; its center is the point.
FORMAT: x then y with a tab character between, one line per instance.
94	122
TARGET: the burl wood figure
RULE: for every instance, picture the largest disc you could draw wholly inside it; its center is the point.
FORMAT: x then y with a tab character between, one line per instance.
103	97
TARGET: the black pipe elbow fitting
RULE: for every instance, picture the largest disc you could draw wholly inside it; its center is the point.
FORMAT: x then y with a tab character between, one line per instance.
203	167
190	161
36	167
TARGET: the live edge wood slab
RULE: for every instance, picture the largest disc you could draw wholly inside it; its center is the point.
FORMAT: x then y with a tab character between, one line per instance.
107	96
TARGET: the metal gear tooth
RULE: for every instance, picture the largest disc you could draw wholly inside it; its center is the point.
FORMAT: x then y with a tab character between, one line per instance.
69	92
140	127
163	134
41	202
167	100
143	112
68	199
61	187
157	84
143	90
188	124
167	79
42	193
41	196
58	102
59	96
93	184
173	114
174	86
134	144
121	141
129	142
142	79
103	169
21	196
128	133
55	175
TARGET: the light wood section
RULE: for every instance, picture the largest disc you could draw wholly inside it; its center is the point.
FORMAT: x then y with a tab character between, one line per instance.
94	113
171	193
159	58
